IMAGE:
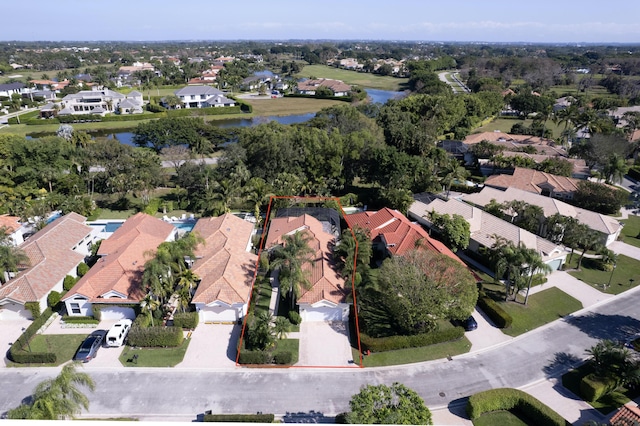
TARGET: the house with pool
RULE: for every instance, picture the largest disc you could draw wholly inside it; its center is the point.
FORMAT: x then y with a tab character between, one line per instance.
115	280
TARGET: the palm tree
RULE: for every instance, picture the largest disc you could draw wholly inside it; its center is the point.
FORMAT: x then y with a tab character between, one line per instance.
291	259
346	257
281	327
534	265
615	169
257	192
588	240
150	304
186	282
12	258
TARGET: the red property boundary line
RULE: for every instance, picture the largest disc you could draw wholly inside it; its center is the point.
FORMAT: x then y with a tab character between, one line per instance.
255	274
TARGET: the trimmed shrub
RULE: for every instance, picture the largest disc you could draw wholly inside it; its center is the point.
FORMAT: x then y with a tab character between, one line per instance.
53	299
17	351
593	387
153	207
152	337
341	419
283	358
82	269
254	357
295	317
186	320
79	320
34	308
513	399
239	418
155	108
498	315
142	321
68	282
391	343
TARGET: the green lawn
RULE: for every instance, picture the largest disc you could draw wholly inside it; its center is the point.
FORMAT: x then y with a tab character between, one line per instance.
411	355
288	345
362	79
631	230
502	418
606	404
154	357
63	345
625	276
505	124
288	106
542	308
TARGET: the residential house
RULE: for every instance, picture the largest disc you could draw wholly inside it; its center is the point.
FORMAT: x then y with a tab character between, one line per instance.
225	267
627	415
608	227
517	142
8	89
203	97
255	82
125	73
54	252
101	102
14	229
337	87
537	182
485	227
579	170
115	280
325	299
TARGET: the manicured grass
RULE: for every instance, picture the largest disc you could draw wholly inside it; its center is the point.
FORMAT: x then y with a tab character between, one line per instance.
625	276
362	79
154	357
631	230
63	345
263	297
288	345
287	106
505	124
502	418
411	355
607	403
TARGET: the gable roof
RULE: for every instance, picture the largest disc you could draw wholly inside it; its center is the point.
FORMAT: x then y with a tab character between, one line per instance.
197	91
596	221
533	181
12	86
52	257
11	223
122	259
326	284
397	232
334	85
628	414
223	264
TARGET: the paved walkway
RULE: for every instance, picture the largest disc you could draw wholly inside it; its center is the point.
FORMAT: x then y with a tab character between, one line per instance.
10	330
586	294
619	247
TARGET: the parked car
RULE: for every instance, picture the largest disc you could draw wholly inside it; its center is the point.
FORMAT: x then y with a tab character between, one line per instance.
117	333
470	324
89	348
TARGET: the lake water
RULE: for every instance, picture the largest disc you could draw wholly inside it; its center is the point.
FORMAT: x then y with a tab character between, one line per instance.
382	96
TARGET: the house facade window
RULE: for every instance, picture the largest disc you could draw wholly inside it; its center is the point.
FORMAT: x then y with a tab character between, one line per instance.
75	308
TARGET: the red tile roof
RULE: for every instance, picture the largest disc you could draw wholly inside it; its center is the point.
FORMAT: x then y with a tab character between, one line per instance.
326	284
628	414
11	223
397	232
223	264
533	181
122	259
52	257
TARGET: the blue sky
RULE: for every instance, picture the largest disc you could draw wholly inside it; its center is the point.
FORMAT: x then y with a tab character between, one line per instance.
442	20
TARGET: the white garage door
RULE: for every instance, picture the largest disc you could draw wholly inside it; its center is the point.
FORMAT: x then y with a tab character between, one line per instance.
321	314
14	311
117	313
217	314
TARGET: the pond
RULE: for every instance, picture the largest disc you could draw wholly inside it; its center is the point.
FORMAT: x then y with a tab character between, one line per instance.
382	96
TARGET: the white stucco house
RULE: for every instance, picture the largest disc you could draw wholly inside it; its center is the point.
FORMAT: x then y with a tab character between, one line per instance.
101	102
203	97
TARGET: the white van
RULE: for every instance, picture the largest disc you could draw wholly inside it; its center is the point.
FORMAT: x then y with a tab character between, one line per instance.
117	333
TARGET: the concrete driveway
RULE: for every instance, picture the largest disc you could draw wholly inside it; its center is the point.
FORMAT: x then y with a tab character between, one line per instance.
212	346
9	333
486	335
324	344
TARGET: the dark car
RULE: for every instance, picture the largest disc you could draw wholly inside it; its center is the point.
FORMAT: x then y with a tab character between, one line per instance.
89	348
469	324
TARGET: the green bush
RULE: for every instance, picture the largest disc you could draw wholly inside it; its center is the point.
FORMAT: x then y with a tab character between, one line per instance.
498	315
295	317
82	269
391	343
17	352
283	358
513	399
68	282
151	337
239	418
593	387
34	308
53	299
186	320
153	207
142	321
189	112
254	357
155	108
79	320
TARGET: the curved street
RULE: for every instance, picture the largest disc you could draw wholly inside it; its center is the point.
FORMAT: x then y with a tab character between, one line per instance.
185	393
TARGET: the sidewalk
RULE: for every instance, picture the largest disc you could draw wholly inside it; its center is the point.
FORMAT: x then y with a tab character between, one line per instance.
575	288
619	247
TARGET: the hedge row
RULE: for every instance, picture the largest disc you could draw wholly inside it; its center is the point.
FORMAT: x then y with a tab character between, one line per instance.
17	352
263	357
151	337
499	316
513	399
186	320
187	112
239	418
593	387
79	320
382	344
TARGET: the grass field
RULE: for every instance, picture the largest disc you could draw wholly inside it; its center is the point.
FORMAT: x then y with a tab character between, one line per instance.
411	355
37	75
362	79
154	357
502	418
63	345
505	124
625	276
288	106
631	231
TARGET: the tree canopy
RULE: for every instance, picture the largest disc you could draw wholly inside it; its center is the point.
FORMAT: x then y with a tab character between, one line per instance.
392	405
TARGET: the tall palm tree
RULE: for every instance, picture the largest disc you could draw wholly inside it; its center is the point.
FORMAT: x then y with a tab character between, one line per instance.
281	327
291	259
347	260
534	265
257	191
12	258
615	169
150	304
588	240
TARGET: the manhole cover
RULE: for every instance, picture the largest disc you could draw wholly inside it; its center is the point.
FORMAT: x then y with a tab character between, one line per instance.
442	394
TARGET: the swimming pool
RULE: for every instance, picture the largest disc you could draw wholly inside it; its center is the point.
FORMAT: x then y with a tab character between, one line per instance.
184	226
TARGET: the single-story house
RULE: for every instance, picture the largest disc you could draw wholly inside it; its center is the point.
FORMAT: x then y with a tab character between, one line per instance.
337	87
512	142
484	227
115	280
203	97
14	228
608	227
325	300
54	252
225	267
537	182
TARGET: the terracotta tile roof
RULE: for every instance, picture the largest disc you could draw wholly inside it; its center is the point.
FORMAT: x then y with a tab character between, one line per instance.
122	259
397	232
579	165
223	264
514	142
533	181
52	257
334	85
326	284
628	414
11	223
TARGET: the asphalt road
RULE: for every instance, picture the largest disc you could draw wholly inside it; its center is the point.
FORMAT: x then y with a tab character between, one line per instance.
182	394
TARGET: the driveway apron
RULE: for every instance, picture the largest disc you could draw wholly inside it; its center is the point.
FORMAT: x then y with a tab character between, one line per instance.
324	344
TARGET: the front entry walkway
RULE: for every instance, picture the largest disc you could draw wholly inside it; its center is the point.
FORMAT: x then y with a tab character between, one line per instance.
324	344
